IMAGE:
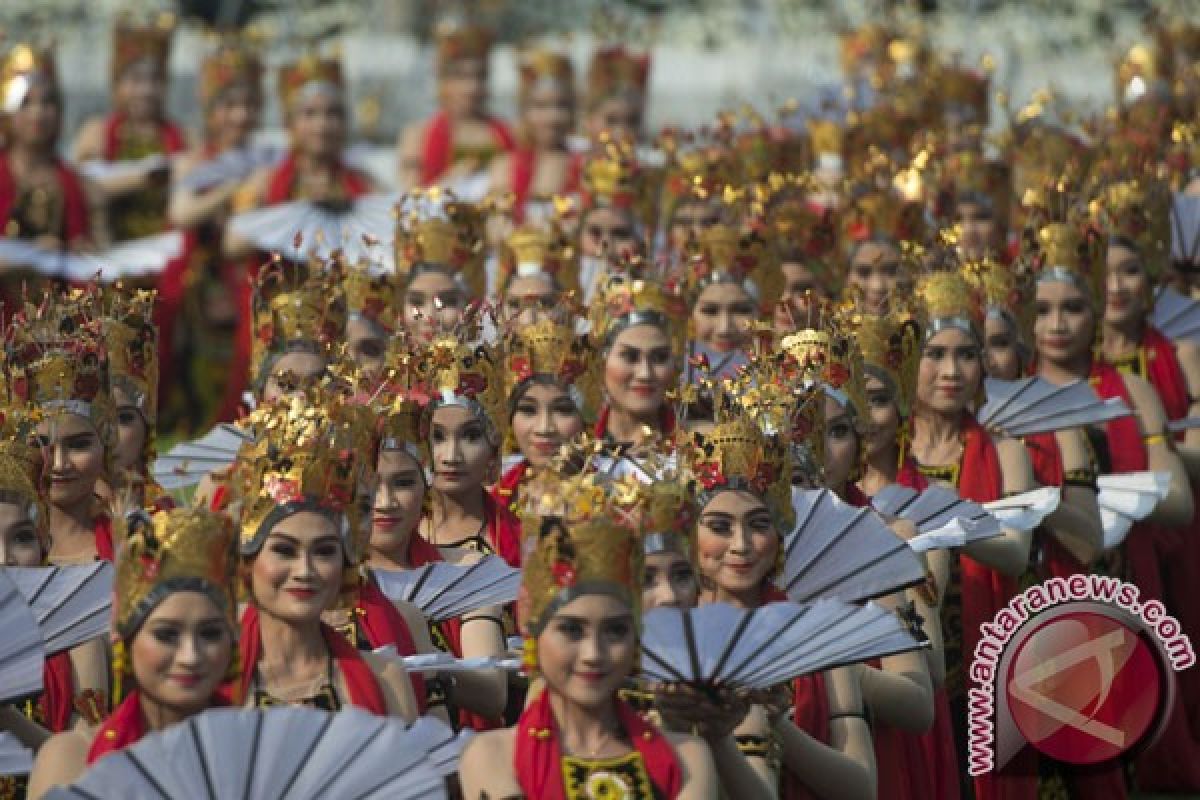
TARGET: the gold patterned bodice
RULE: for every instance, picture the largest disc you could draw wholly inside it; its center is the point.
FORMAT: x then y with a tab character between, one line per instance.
141	213
623	778
37	211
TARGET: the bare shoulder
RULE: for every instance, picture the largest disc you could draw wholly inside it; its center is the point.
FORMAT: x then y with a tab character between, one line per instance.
1009	448
412	136
491	747
89	142
60	761
486	767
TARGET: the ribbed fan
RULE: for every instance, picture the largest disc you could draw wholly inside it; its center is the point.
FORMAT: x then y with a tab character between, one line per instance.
187	463
365	220
1127	498
72	604
942	518
1034	405
443	591
15	758
22	652
1176	316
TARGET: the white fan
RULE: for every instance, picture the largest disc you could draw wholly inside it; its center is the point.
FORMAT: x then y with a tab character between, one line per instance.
370	218
290	752
1184	424
444	662
720	645
187	463
72	604
444	591
98	169
1176	316
232	165
22	653
942	518
838	551
15	758
1127	498
1034	405
132	258
1185	227
1025	511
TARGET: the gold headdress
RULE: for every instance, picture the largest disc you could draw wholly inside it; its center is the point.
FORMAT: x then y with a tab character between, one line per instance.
625	300
133	42
1137	211
1004	290
307	70
945	299
233	62
801	233
297	308
696	173
615	71
881	213
19	478
832	357
538	65
579	535
723	253
22	65
57	362
132	342
451	369
612	178
891	347
441	231
398	403
372	296
308	455
531	251
461	42
1067	252
971	177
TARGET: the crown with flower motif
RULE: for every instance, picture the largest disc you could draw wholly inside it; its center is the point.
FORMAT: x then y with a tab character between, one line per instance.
1067	251
629	296
309	454
723	252
968	176
310	68
615	71
579	535
133	42
1005	290
881	213
440	230
737	454
537	250
372	296
890	345
454	368
57	361
539	64
611	175
832	357
946	299
459	42
132	340
234	62
19	479
22	65
297	307
696	172
1138	211
798	231
547	347
184	549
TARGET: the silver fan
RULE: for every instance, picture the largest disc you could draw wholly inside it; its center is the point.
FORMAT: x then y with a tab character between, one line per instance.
1185	229
232	165
720	645
187	463
445	662
838	551
98	169
291	752
1176	316
132	258
355	229
941	517
15	758
72	604
444	591
1127	498
1034	405
1025	511
22	653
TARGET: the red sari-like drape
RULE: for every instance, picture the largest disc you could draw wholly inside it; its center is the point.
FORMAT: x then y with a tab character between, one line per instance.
524	163
438	148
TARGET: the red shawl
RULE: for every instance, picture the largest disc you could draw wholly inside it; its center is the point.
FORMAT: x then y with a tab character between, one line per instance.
1164	373
1046	459
383	625
911	477
360	681
503	530
58	694
666	421
505	490
122	728
439	144
170	137
538	757
854	496
102	528
75	207
524	162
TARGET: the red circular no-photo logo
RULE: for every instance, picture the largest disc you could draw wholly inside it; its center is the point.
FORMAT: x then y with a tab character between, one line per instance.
1084	687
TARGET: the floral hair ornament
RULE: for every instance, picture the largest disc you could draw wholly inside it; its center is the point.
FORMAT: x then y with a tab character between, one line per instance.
632	294
309	73
132	340
135	40
232	62
436	230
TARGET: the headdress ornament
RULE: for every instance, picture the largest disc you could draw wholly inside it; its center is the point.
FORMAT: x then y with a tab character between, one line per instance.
454	369
23	64
132	343
310	69
963	92
696	172
613	178
459	41
723	253
881	213
1067	251
437	229
1137	210
538	64
797	229
297	308
891	347
629	296
614	71
968	176
946	299
133	42
233	62
372	296
542	250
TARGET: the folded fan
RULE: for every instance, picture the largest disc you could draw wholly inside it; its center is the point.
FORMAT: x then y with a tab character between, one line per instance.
294	229
15	758
99	169
71	604
444	662
1025	511
1034	405
1127	498
231	165
443	591
720	645
132	258
941	517
22	652
1176	316
291	752
1185	424
187	463
838	551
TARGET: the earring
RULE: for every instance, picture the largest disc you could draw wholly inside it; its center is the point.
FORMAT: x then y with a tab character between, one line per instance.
120	666
529	659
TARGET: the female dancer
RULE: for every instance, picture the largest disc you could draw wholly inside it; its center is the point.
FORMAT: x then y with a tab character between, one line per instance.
577	738
175	636
873	225
616	94
614	221
532	274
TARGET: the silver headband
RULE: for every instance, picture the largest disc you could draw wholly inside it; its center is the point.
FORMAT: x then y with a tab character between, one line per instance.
940	324
664	542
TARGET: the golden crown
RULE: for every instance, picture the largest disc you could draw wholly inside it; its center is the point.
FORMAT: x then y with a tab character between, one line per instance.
695	173
233	62
531	250
890	343
297	307
626	299
881	213
970	174
19	479
372	296
452	368
184	549
133	42
308	69
1137	210
611	176
547	347
20	65
438	229
614	71
797	230
460	42
539	65
579	535
308	454
1070	252
832	357
723	252
947	299
132	339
